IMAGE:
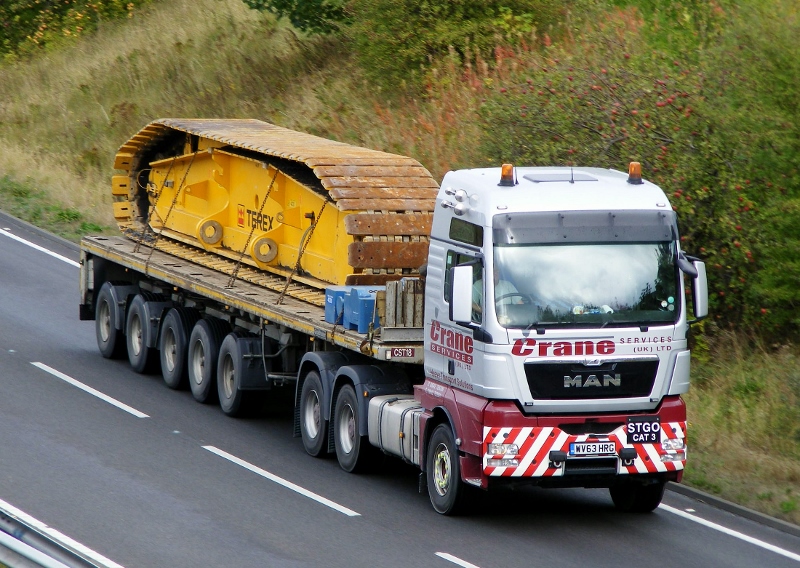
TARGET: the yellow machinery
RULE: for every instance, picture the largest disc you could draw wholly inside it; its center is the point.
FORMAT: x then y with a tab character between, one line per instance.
318	211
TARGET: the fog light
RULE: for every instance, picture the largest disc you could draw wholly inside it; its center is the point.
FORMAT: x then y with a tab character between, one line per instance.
673	456
672	444
504	462
503	450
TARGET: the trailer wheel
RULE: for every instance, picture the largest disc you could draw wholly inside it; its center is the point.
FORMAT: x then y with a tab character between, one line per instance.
233	401
204	343
637	498
352	450
445	487
313	427
143	359
110	340
173	346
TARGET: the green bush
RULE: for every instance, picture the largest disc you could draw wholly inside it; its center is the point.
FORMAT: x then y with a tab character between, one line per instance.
702	128
397	40
314	16
29	24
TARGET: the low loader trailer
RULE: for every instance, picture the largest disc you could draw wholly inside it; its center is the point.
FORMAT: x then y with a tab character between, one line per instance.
509	325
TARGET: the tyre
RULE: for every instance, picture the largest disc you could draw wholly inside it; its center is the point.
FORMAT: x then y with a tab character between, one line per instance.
203	354
445	488
313	427
110	341
637	498
354	452
173	346
143	359
233	401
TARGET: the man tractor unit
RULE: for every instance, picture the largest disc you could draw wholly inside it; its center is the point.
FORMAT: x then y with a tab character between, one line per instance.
513	325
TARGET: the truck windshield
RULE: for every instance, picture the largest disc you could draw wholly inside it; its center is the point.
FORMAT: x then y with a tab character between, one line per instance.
586	285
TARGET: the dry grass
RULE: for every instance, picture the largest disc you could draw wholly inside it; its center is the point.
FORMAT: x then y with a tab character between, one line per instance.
744	415
64	114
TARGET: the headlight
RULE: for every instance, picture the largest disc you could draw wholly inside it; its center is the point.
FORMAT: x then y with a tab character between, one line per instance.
503	450
673	444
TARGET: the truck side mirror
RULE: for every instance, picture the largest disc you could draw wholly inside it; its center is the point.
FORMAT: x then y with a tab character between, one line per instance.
700	290
461	294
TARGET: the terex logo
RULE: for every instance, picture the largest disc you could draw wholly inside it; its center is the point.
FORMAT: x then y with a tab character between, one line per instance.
255	219
450	343
527	346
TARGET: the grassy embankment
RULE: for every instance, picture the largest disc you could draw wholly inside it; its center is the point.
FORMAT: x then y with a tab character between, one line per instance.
64	114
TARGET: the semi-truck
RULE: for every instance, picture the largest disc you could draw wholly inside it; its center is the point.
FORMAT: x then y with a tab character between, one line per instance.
511	325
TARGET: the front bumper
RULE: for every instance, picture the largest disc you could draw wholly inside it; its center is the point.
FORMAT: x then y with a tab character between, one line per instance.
542	445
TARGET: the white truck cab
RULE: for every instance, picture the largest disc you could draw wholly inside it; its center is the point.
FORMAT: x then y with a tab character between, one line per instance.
556	328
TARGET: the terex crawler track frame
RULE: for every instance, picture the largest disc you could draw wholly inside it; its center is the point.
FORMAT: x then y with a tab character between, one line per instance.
317	211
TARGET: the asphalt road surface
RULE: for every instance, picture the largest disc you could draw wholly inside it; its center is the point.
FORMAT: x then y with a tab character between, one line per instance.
143	476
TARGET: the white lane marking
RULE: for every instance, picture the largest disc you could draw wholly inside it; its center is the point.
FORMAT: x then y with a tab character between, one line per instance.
90	390
11	235
731	532
58	536
280	481
455	560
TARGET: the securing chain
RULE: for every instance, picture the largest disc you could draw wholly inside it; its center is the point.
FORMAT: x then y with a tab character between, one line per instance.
158	194
296	268
171	207
235	272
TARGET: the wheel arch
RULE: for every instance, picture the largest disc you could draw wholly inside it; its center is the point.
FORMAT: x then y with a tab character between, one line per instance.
325	363
121	295
438	415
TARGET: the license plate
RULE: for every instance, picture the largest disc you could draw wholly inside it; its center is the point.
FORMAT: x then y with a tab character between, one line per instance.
592	448
402	352
643	430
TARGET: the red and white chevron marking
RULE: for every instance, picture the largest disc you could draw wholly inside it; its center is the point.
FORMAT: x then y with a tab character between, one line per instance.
536	443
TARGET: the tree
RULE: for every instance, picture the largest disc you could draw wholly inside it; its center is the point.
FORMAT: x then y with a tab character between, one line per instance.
313	16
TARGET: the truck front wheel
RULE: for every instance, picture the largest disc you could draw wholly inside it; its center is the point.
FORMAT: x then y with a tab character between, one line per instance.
637	498
445	488
313	427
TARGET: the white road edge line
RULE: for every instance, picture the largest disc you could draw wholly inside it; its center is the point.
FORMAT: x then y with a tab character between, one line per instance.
58	536
90	390
731	532
280	481
11	235
455	560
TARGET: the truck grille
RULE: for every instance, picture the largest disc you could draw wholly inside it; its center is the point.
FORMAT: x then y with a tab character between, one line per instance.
574	380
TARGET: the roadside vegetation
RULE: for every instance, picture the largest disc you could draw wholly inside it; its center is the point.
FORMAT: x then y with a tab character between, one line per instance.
702	92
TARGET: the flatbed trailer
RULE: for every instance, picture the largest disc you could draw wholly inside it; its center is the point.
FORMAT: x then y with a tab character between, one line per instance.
255	298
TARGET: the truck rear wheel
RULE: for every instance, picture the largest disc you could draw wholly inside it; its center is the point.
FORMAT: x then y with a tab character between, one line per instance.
353	451
204	344
232	400
445	488
143	359
313	427
110	340
173	346
637	498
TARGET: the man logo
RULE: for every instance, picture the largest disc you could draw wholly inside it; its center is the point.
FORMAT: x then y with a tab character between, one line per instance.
593	381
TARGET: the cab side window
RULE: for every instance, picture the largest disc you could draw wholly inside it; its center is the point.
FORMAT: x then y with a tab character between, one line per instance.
455	259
